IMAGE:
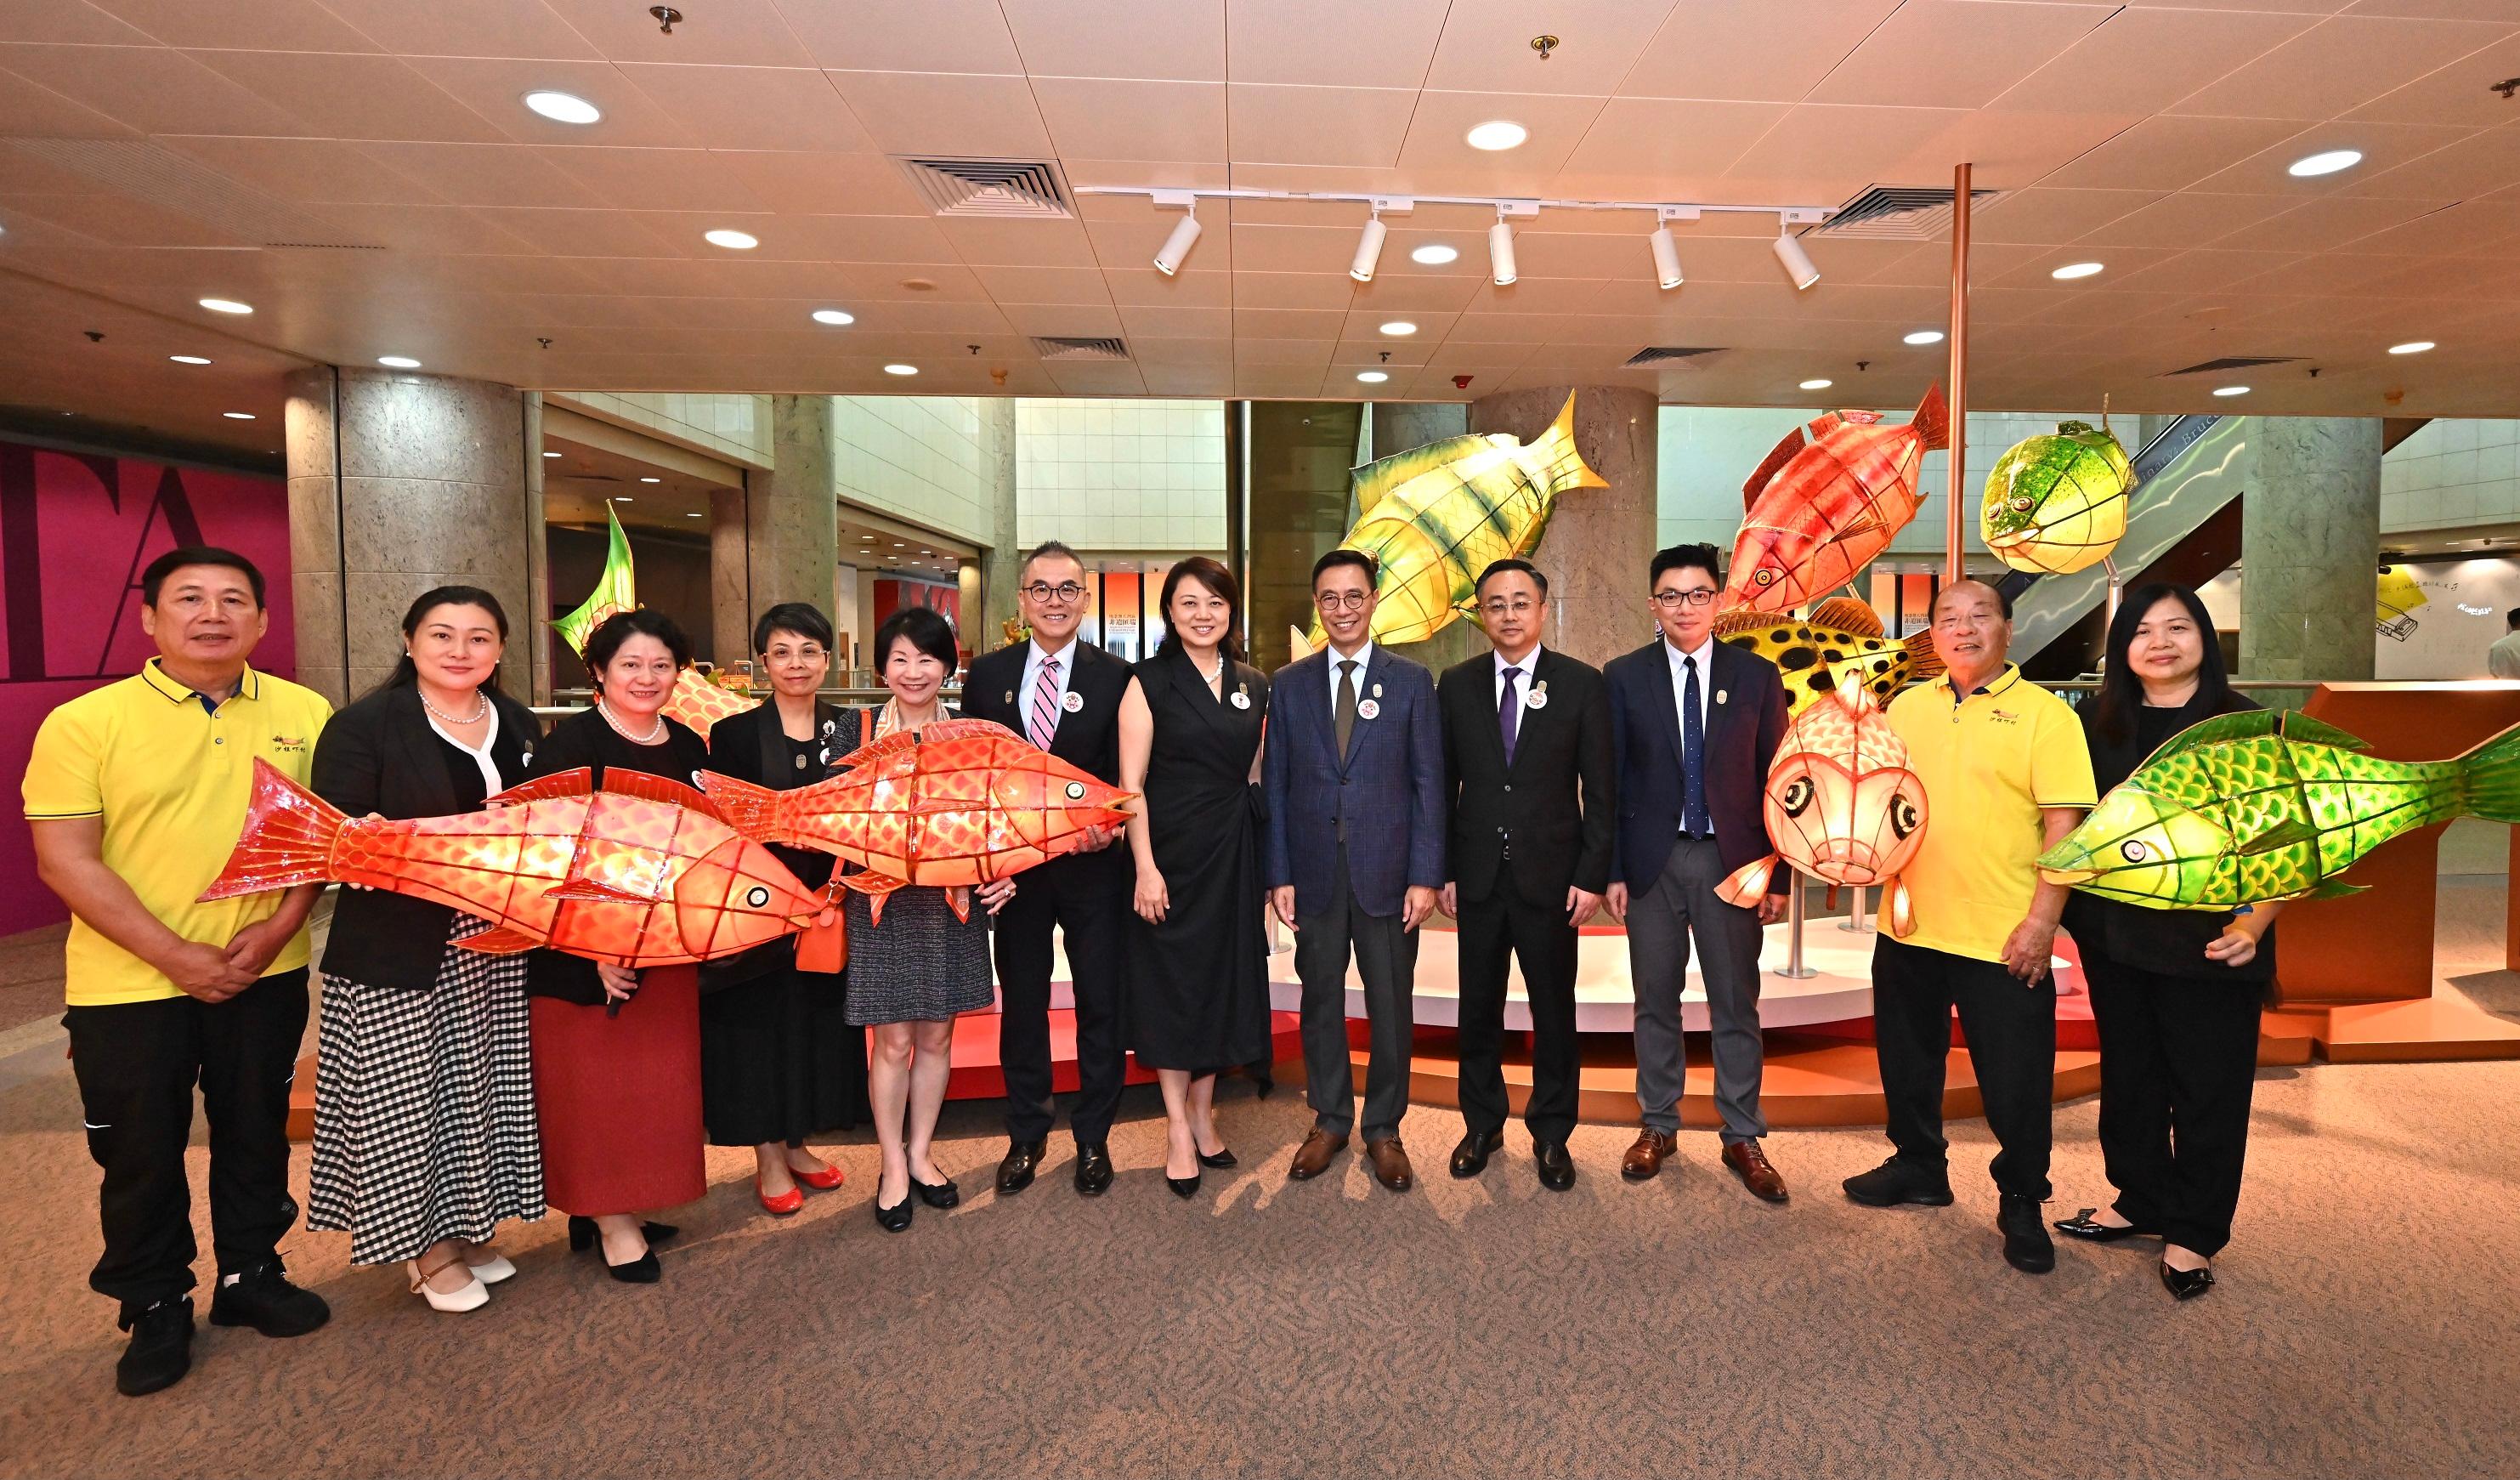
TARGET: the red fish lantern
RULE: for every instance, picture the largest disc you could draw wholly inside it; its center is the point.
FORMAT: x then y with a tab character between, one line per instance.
1819	511
953	804
641	874
1842	805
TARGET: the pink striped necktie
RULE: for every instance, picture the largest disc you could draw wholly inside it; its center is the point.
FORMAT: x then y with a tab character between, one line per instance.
1045	704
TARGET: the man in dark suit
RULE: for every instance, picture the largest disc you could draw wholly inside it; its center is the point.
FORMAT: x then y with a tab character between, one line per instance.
1532	787
1695	723
1065	696
1354	773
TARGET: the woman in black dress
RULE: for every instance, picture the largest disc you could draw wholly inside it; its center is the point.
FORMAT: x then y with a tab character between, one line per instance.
1189	745
2175	993
779	1062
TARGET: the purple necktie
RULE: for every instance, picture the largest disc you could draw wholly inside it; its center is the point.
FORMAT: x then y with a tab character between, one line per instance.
1509	712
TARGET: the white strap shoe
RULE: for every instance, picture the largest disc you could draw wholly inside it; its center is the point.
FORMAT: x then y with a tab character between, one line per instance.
471	1295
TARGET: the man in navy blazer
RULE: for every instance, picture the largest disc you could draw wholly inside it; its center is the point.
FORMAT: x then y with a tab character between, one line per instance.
1353	772
1694	724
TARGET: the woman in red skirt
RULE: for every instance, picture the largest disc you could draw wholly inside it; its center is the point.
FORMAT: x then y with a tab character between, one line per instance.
618	1052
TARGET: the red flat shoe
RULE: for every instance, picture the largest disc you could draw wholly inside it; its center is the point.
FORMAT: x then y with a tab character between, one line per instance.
784	1203
821	1181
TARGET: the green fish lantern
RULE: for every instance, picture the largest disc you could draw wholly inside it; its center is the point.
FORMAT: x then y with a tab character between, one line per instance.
2264	805
2057	504
615	589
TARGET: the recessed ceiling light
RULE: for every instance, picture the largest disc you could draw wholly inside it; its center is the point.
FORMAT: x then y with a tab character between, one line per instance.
731	240
2411	346
899	545
1818	384
564	107
226	305
2326	162
651	481
1398	328
1925	336
1371	376
1496	134
691	515
623	498
551	454
397	362
901	370
2072	270
2230	391
834	316
1435	254
193	359
238	416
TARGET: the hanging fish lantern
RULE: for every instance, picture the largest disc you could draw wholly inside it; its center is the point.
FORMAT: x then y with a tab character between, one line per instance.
1843	804
695	701
1841	645
1820	511
2056	503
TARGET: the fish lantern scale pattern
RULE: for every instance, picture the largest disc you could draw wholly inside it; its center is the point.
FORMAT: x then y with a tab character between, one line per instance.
2058	504
1816	512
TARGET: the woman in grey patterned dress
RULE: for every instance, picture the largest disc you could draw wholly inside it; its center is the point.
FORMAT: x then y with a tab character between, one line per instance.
910	976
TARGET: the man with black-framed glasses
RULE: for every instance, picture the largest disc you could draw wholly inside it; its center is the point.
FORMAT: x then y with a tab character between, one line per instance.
1063	694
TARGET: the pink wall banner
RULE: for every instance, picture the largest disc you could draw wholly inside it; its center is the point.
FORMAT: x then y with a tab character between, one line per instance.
76	531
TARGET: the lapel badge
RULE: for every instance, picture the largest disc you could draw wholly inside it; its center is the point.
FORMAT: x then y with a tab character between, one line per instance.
1377	691
1539	698
1368	710
1719	696
1011	696
1073	703
1243	696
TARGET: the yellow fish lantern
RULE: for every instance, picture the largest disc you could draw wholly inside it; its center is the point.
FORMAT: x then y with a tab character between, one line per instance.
2394	609
1434	516
2057	504
1842	805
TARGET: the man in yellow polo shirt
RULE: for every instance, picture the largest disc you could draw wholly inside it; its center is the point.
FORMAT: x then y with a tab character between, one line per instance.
136	793
2006	775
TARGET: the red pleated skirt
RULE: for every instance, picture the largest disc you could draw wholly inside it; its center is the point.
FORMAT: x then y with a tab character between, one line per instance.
618	1098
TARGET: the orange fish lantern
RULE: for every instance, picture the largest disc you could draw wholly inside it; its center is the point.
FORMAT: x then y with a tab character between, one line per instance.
641	874
958	803
1820	511
1842	805
701	702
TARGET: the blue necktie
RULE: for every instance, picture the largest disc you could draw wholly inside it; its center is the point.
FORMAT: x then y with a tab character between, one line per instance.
1508	713
1692	756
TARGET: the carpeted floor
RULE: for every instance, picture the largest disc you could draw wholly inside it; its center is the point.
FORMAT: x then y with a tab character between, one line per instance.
2362	1328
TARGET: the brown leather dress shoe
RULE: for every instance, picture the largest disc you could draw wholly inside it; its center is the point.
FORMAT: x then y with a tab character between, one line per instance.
1750	1164
1313	1157
1644	1159
1390	1164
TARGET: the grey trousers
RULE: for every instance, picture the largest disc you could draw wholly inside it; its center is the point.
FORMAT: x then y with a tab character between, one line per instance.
1387	957
1660	921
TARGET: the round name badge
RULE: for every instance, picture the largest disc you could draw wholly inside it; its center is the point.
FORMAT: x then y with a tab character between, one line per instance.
1538	699
1368	710
1243	701
1073	703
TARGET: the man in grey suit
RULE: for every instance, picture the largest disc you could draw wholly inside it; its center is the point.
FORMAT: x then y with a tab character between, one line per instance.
1694	725
1353	772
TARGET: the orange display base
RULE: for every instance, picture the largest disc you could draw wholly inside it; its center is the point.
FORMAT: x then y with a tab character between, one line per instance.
2424	1030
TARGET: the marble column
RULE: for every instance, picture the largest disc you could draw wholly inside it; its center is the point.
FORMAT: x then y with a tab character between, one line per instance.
2310	543
1599	540
777	539
399	481
1003	561
1399	426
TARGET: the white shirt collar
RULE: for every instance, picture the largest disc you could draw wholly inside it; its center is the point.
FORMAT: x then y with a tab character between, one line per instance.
1704	652
1040	655
1530	661
1363	657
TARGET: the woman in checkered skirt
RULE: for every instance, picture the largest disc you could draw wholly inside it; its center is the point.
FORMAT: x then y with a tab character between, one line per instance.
424	1134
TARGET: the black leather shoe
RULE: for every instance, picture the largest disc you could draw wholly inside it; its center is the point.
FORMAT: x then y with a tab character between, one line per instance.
1183	1187
2026	1245
2084	1227
1895	1182
896	1217
940	1194
1093	1168
1220	1160
1470	1157
263	1298
2187	1284
583	1235
1556	1168
1016	1168
160	1352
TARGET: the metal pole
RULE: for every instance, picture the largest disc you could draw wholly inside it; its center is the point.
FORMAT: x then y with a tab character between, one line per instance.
2117	587
1855	921
1955	566
1793	969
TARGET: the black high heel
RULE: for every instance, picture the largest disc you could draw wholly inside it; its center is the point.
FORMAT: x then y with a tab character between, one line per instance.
583	1235
2082	1226
941	1194
897	1217
1183	1186
1222	1158
2187	1284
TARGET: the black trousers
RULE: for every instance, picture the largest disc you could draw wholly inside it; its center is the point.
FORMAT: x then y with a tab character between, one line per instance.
2179	1061
137	1064
1086	899
2012	1032
1387	961
1544	943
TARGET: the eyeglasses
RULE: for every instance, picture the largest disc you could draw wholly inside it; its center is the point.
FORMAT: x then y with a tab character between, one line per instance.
1522	606
1343	600
1673	601
1044	591
1966	621
808	652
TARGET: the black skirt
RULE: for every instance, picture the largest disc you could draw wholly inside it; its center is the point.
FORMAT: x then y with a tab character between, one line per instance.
779	1062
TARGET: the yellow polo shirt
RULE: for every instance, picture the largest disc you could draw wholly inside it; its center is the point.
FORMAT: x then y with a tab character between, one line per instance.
170	779
1990	761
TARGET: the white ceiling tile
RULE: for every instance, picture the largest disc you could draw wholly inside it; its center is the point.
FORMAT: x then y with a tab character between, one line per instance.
71	22
1955	52
1172	41
1128	118
723	34
2164	153
485	174
812	183
1486	45
2329	223
2385	147
1045	285
1774	51
1435	142
148	88
655	179
932	36
2189	218
464	28
2337	66
1388	44
319	170
1008	243
2054	215
1664	147
1318	125
295	26
1293	290
2140	60
943	113
495	88
752	107
1819	154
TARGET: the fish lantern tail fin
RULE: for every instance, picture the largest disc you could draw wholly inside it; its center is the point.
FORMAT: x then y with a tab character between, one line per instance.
1775	463
1299	644
1560	438
1933	420
1924	663
1746	885
753	811
2489	778
1898	908
287	838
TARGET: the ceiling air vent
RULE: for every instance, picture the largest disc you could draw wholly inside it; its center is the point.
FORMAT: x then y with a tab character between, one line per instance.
1079	349
1899	213
164	178
1667	354
988	187
2232	362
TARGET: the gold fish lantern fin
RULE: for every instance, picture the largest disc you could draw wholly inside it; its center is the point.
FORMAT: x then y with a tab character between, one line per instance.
1373	482
1830	421
1846	614
500	940
1298	645
2336	888
2297	725
2248	724
577	781
1561	435
1923	662
1775	463
1933	420
660	789
1748	884
2289	832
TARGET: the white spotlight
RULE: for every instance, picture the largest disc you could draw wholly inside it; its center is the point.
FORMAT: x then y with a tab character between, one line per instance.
1497	134
2326	162
1500	253
1435	254
1924	337
1373	377
2411	346
397	362
1666	255
226	305
2072	270
1369	250
1399	328
564	107
2230	391
1177	245
1798	263
1816	385
731	238
836	317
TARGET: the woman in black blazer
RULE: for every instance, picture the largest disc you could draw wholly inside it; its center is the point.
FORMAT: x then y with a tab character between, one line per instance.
424	1134
779	1062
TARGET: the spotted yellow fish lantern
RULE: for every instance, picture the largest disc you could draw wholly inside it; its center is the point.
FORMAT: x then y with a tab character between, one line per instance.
2393	609
2057	503
1434	516
1843	804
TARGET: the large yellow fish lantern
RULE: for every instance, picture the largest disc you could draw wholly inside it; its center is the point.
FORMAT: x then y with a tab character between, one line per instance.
2057	504
1842	805
1434	516
2393	611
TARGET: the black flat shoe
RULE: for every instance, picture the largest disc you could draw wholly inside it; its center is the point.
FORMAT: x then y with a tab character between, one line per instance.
583	1235
2081	1225
2187	1284
1183	1186
644	1270
897	1217
1223	1158
938	1195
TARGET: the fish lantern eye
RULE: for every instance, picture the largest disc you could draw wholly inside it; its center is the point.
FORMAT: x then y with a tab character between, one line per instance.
2021	505
757	896
2135	850
1077	791
1764	576
1798	795
1904	819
